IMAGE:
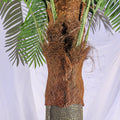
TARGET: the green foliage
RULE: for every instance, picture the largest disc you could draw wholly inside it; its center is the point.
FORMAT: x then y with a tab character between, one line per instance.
32	33
24	40
99	18
11	14
93	14
111	9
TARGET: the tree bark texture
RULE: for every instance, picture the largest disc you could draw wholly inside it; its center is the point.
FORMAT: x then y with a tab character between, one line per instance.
65	88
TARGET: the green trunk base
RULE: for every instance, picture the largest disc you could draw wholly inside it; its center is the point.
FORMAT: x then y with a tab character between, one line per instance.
72	112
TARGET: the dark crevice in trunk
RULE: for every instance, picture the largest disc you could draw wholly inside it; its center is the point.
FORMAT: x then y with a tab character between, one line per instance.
64	30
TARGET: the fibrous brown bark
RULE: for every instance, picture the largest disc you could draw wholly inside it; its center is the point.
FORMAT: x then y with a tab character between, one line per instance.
64	60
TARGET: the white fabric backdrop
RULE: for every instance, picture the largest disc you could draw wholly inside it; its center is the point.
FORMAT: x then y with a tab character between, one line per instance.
22	89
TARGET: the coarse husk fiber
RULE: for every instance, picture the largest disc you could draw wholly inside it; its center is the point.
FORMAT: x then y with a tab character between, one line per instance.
64	59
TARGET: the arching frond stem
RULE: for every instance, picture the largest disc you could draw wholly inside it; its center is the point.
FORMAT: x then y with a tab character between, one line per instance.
53	10
94	11
83	22
40	33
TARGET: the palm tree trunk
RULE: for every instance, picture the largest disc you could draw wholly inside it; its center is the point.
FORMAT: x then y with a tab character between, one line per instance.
65	88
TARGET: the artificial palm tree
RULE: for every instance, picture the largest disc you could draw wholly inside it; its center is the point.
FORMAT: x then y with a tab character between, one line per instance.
57	30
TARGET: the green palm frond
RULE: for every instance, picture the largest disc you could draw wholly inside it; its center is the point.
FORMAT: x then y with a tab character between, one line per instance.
33	32
12	19
24	10
99	18
112	11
